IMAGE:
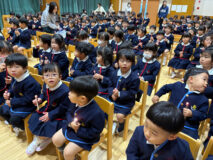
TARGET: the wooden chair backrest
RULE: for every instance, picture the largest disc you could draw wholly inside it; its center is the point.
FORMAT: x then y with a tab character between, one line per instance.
209	149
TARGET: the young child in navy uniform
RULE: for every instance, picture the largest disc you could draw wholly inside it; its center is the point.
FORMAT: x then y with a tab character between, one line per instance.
59	55
82	65
111	32
178	27
44	54
119	38
160	42
103	70
85	120
130	36
5	50
36	25
49	119
18	99
22	35
205	42
71	33
189	98
151	35
158	139
169	39
183	52
199	36
11	31
148	67
125	86
146	20
93	29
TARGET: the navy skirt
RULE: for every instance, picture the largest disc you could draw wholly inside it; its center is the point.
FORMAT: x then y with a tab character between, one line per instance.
178	63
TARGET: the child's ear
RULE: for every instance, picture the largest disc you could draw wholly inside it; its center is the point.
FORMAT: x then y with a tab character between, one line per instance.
172	137
83	99
60	76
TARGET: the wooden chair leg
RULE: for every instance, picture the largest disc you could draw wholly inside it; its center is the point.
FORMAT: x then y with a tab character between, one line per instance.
126	127
84	155
29	134
59	154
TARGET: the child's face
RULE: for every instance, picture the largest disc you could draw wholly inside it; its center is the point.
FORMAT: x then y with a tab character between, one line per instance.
41	44
185	40
79	55
140	33
200	32
124	64
197	25
154	134
51	78
92	24
198	82
16	71
71	25
191	32
206	61
130	32
207	41
76	99
124	24
22	25
167	30
34	19
100	60
159	37
54	45
148	55
117	39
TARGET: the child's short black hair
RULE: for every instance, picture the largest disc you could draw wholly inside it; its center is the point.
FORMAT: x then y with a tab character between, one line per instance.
18	59
153	27
209	50
60	41
151	47
5	47
131	27
84	86
166	116
15	22
193	72
169	26
12	13
51	67
23	20
186	35
202	28
84	48
161	32
104	36
119	34
178	21
111	30
128	54
107	55
126	45
46	39
82	35
143	30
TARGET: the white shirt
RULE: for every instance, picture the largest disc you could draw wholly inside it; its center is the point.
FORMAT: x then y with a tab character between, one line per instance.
100	9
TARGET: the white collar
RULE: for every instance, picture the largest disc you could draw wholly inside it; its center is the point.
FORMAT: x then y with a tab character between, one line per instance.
48	50
187	87
119	43
209	71
162	40
56	87
83	60
103	67
35	21
142	38
147	142
199	36
23	76
123	75
55	52
110	41
185	44
145	61
24	29
85	104
167	35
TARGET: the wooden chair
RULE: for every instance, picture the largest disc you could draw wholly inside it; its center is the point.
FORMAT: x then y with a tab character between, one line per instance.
28	52
93	40
177	38
139	106
38	78
193	143
209	149
95	44
38	34
108	108
5	33
32	70
66	83
71	49
5	20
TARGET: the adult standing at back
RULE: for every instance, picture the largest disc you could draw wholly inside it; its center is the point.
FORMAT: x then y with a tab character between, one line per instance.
48	18
128	8
163	12
100	9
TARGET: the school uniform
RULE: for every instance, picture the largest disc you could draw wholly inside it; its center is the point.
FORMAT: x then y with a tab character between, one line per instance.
106	72
193	100
107	25
22	91
89	130
116	46
146	22
151	35
163	12
141	149
24	39
178	30
112	43
196	56
93	31
188	28
128	87
139	21
84	28
194	42
13	39
161	47
1	36
181	62
102	28
184	27
56	106
60	58
70	38
37	27
141	40
170	37
124	30
30	23
149	71
3	85
132	38
81	68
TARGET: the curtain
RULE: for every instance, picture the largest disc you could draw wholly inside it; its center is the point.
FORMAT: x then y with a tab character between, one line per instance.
76	6
19	7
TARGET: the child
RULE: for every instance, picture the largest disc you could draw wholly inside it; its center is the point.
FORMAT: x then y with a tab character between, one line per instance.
183	52
103	40
71	33
205	42
5	50
125	85
178	27
82	65
151	35
82	129
119	38
1	35
111	32
130	36
101	26
36	25
23	36
124	26
158	139
103	70
83	26
94	29
148	67
199	36
160	42
146	20
44	54
18	99
169	39
48	120
143	40
59	55
11	31
189	98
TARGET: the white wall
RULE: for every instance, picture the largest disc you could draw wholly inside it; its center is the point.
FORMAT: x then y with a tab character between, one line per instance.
205	8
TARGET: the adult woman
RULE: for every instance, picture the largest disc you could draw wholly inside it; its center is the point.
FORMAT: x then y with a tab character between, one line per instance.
128	8
48	18
163	12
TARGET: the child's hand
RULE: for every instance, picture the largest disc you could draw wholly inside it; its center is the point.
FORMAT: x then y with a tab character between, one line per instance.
68	32
17	32
75	126
37	100
116	65
8	80
187	112
136	47
115	92
45	117
114	52
98	76
155	99
6	95
140	44
2	67
72	72
166	40
181	54
114	98
33	26
197	41
46	61
151	38
141	78
8	103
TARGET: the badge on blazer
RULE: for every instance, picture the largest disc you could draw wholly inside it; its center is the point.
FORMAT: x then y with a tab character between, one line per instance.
148	71
20	94
155	155
82	124
193	107
54	104
124	89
